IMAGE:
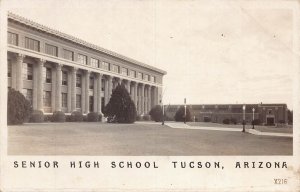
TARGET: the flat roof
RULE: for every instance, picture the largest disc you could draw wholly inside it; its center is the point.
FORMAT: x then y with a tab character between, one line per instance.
73	39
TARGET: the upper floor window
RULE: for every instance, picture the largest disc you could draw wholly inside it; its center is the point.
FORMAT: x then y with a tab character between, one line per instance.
78	80
146	77
51	50
68	54
32	44
82	59
78	101
12	38
64	78
152	79
27	71
9	68
124	71
91	84
105	65
140	75
115	68
132	73
64	99
94	62
47	74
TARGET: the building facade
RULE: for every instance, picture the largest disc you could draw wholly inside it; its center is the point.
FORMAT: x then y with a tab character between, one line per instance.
267	114
59	72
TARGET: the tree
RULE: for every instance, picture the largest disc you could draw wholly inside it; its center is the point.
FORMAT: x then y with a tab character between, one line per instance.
18	108
156	113
179	116
120	108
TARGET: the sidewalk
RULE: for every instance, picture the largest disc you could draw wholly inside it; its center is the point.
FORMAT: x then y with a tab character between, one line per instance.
177	125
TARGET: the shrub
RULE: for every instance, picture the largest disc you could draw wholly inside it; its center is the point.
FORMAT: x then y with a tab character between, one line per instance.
207	119
282	121
233	121
226	121
37	116
47	118
99	117
92	117
58	116
68	118
76	116
256	122
179	116
147	117
156	113
18	108
120	108
139	118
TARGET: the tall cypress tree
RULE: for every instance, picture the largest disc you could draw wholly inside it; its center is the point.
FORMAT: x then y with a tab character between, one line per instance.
120	108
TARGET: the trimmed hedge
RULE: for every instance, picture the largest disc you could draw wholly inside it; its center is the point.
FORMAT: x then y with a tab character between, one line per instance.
139	118
18	108
76	116
256	122
156	113
92	117
37	116
226	121
58	116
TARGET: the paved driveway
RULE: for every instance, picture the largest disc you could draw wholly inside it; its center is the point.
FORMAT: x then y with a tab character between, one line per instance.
137	139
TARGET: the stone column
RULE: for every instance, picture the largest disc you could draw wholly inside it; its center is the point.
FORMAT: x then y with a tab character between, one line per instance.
19	67
99	87
128	86
95	93
106	91
135	89
70	87
87	88
58	87
149	99
143	99
40	84
110	87
73	88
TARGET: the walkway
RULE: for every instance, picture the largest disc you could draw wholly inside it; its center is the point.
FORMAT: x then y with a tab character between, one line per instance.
177	125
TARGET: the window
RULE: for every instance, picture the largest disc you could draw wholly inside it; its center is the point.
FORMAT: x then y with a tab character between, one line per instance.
124	71
64	99
269	111
94	62
132	73
115	68
102	85
47	98
105	65
78	101
78	80
91	84
32	44
12	38
146	77
48	75
68	55
82	59
27	71
51	50
140	75
64	78
28	95
9	68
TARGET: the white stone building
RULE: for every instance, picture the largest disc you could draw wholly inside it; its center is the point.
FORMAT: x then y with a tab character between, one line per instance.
59	72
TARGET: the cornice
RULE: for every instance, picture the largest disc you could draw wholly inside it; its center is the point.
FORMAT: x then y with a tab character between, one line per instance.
76	40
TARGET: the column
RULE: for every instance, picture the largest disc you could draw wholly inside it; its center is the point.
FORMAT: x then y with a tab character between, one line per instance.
73	88
128	86
156	99
40	84
135	89
106	90
87	88
110	87
70	84
99	87
95	93
19	66
119	81
149	99
143	99
58	87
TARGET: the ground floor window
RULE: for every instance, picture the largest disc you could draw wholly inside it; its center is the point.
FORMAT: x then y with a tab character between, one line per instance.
47	98
78	101
64	99
28	93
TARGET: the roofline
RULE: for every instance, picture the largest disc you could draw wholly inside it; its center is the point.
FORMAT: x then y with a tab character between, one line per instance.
264	104
73	39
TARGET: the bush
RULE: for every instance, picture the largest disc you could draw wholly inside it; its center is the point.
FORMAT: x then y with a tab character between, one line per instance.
120	108
92	117
281	121
156	113
256	122
139	118
147	118
233	121
47	118
226	121
37	116
76	116
179	116
18	108
99	117
58	116
68	118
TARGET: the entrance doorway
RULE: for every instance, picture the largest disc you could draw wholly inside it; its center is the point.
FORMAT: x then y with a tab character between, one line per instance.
270	121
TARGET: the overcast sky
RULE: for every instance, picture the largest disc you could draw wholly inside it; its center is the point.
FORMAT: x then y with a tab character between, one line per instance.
213	52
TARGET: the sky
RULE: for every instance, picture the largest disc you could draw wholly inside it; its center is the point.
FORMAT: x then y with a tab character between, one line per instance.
214	52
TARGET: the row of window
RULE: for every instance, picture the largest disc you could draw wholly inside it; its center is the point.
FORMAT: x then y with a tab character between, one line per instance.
34	45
